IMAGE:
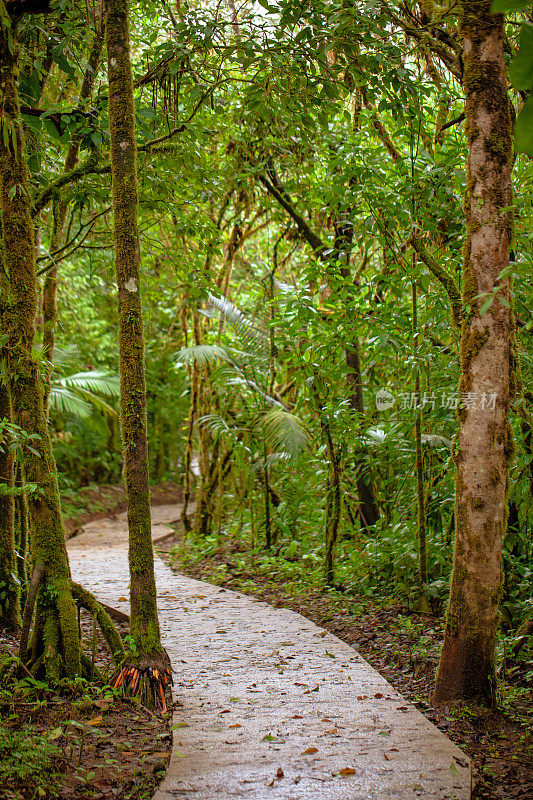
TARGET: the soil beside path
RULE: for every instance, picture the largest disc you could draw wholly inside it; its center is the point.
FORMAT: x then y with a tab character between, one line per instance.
267	703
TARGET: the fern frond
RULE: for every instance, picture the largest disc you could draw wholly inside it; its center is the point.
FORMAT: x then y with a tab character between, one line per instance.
203	354
253	337
64	401
91	381
283	432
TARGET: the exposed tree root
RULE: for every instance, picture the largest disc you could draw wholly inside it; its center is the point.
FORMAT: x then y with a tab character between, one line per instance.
36	578
147	682
89	602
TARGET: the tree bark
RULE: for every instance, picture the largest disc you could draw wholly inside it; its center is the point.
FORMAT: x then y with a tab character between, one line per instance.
56	611
59	214
466	668
144	625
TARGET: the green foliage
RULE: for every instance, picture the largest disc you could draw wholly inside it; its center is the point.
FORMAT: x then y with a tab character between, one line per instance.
27	756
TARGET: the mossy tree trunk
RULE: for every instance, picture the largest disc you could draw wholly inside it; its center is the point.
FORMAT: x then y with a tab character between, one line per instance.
144	625
59	214
466	668
9	582
56	637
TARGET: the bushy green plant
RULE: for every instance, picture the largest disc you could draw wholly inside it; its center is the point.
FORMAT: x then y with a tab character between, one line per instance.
26	756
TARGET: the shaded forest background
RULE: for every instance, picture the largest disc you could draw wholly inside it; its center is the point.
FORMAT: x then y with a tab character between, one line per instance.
301	178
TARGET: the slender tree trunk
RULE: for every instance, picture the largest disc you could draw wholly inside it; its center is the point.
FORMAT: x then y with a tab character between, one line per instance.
419	464
466	668
57	613
144	623
59	214
367	508
9	583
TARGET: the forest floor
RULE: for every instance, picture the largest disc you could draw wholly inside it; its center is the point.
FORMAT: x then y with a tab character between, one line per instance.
85	743
404	647
91	743
103	746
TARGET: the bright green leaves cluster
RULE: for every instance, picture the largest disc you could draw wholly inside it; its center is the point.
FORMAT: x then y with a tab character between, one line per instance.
521	70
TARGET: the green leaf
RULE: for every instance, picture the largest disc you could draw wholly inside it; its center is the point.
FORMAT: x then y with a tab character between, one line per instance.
501	6
523	131
486	305
521	69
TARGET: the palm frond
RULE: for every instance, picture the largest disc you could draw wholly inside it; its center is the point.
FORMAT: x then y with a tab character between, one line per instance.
64	401
237	380
202	354
283	432
253	337
98	403
94	380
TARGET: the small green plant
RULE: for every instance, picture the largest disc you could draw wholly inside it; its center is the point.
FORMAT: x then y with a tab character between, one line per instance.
26	756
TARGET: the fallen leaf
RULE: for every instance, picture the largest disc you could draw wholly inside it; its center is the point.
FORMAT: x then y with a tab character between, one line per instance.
378	695
310	751
55	734
122	599
96	721
347	771
269	738
332	731
280	773
235	726
297	716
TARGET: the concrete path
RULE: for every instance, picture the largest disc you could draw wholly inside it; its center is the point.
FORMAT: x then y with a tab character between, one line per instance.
268	705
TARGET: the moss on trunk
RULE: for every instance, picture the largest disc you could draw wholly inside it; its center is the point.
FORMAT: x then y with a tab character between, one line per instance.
47	533
144	626
59	215
466	668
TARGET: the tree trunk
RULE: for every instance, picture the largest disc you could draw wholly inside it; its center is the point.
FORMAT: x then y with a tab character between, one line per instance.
56	628
466	668
9	583
367	508
144	623
59	214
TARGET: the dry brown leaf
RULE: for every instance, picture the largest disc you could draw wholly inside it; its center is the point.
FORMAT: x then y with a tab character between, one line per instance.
235	726
122	599
310	751
280	773
347	771
96	721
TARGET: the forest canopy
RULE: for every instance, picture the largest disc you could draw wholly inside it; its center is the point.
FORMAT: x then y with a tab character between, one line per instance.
328	206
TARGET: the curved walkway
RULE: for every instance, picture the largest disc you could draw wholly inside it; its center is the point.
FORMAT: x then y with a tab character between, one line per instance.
268	705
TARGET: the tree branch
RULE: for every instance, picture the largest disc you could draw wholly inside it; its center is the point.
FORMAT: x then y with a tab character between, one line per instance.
442	276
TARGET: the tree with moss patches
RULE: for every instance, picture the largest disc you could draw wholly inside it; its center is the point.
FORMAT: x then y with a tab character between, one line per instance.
56	638
147	669
51	646
9	583
466	668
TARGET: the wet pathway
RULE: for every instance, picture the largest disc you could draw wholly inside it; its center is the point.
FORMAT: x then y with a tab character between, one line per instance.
268	705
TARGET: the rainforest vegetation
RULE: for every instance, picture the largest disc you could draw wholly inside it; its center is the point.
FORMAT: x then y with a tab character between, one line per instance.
283	249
